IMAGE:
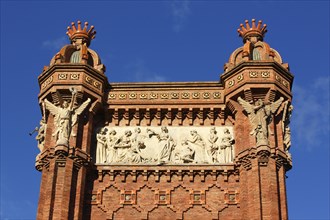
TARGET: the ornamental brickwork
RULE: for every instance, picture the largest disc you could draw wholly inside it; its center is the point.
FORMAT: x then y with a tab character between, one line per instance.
188	150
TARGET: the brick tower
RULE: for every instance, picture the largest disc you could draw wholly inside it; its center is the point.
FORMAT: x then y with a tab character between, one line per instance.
179	150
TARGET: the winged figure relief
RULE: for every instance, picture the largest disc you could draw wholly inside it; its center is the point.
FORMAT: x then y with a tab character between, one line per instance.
65	118
260	116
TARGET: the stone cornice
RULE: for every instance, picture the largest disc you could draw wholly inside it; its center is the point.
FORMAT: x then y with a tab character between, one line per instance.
254	63
72	66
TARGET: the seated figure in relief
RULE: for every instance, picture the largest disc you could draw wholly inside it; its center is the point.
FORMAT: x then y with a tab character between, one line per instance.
186	155
197	144
123	146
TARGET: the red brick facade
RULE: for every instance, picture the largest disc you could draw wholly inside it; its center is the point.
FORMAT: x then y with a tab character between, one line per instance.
253	186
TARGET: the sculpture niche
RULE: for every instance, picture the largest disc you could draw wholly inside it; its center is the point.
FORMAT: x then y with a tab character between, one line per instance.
260	116
65	118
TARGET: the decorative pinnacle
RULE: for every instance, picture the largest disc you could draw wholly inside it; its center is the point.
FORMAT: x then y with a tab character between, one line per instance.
254	31
75	33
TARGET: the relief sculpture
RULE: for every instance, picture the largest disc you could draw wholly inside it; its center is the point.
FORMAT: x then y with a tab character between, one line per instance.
164	145
260	116
66	117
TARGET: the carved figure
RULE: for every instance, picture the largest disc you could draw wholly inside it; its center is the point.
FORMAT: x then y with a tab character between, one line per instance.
123	145
167	146
101	138
260	116
226	146
185	156
111	152
198	145
137	145
288	108
41	134
212	152
65	118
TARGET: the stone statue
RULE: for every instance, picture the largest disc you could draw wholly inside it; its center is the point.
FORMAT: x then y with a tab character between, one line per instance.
260	116
213	148
288	108
197	144
65	118
226	146
111	152
41	134
123	146
101	138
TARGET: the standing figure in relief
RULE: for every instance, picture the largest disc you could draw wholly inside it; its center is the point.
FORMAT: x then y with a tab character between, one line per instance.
123	145
65	118
167	146
110	150
226	146
137	145
260	116
212	152
41	134
197	144
288	108
101	138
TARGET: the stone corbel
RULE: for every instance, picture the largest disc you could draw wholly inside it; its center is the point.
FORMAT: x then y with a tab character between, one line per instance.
210	115
136	116
158	116
145	175
116	116
200	116
126	116
169	115
179	116
148	116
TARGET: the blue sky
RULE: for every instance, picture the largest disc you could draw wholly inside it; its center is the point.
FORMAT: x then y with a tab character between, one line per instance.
165	41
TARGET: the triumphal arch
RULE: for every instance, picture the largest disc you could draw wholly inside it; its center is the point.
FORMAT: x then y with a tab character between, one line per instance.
164	150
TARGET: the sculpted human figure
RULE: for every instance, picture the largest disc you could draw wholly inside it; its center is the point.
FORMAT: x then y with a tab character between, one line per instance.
186	155
288	108
137	145
65	118
41	134
101	138
212	151
226	146
198	145
111	152
123	145
167	146
260	116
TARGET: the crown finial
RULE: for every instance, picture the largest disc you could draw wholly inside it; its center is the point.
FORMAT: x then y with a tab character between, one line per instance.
252	31
75	33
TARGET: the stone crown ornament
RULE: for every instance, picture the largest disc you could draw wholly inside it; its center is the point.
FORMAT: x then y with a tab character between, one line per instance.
78	33
254	31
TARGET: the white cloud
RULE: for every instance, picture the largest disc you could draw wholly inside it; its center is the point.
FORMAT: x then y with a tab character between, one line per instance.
55	44
180	12
310	119
141	73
